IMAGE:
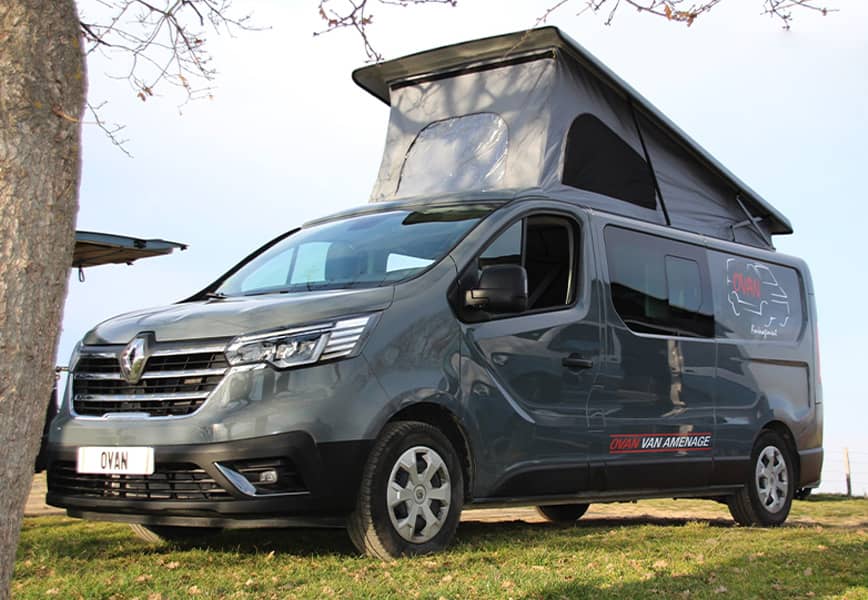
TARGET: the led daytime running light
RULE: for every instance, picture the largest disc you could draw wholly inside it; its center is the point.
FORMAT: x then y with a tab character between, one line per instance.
299	346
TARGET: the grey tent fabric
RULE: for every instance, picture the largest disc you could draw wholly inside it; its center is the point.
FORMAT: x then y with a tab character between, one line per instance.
516	93
535	110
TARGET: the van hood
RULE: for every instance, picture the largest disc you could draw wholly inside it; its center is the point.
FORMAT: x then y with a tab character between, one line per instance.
229	317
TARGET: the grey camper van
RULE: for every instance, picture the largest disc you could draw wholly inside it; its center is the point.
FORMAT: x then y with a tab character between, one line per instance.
554	298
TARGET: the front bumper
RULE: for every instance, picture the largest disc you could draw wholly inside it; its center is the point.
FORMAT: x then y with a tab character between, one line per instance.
198	484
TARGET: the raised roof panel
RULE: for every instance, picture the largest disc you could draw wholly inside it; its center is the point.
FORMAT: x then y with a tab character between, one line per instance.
539	82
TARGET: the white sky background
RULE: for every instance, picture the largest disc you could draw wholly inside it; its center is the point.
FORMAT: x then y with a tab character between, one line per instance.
289	137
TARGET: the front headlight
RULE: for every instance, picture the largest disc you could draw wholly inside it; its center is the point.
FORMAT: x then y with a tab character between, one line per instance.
302	345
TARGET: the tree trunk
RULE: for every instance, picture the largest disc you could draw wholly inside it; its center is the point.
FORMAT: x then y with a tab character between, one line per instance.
42	88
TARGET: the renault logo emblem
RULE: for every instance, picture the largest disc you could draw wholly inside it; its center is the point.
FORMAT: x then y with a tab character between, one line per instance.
134	357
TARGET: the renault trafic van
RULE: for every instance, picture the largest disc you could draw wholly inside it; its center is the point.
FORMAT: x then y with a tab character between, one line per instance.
607	333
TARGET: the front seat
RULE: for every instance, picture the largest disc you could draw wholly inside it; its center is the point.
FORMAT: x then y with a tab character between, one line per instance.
344	263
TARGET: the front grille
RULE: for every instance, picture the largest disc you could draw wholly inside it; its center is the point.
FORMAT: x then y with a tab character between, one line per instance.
188	362
170	481
175	382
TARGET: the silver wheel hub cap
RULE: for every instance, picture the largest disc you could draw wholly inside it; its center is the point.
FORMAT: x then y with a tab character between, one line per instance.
419	494
772	479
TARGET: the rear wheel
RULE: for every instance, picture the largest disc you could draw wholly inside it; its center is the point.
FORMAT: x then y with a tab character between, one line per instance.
411	493
768	494
802	493
562	513
156	534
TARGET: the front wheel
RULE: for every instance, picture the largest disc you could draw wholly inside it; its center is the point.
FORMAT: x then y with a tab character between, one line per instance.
768	494
563	513
411	493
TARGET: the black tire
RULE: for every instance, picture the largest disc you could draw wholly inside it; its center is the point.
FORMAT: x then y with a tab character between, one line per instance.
158	534
374	525
768	493
563	513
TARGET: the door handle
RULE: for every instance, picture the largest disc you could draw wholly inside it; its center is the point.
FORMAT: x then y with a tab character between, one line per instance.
574	361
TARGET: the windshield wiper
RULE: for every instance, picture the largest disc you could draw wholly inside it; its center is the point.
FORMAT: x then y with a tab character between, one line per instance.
216	295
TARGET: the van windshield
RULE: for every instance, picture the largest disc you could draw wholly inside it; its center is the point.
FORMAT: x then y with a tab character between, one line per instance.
362	251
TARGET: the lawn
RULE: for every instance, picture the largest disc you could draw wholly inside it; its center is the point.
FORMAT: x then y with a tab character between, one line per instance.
661	548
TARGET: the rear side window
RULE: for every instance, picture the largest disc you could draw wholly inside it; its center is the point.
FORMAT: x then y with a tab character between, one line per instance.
683	283
756	300
659	286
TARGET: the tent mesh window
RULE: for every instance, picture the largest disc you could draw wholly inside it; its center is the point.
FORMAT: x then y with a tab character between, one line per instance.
599	161
456	154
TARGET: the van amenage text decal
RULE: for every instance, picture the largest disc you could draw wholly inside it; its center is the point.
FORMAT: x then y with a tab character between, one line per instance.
631	443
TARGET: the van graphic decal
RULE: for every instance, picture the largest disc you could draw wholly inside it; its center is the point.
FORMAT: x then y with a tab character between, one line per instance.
755	295
633	443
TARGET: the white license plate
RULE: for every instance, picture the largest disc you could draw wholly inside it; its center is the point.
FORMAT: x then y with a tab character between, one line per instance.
138	460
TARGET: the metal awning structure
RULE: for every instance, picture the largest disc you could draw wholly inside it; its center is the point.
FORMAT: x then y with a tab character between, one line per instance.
93	249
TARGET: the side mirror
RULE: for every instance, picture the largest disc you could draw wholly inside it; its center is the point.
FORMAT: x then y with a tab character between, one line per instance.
501	289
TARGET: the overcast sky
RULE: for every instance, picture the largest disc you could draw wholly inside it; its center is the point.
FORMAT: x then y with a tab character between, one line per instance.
289	137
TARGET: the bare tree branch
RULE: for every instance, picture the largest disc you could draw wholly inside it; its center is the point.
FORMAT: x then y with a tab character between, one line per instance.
354	14
164	41
687	11
111	131
782	9
156	42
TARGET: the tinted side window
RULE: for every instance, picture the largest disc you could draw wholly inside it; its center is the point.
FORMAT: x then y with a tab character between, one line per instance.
505	249
549	259
755	300
546	246
597	160
683	283
657	285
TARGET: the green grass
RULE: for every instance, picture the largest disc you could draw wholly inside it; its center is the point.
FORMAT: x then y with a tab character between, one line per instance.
696	552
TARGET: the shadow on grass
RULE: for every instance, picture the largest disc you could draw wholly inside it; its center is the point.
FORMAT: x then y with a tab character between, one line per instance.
294	541
610	522
117	541
91	540
768	570
307	542
833	498
473	535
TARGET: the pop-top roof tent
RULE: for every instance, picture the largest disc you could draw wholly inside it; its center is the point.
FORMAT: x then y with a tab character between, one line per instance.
533	109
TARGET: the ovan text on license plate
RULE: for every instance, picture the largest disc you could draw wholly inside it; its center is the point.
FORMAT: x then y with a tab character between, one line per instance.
116	460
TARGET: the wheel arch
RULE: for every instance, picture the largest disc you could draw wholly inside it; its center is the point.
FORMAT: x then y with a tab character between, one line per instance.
789	439
447	422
